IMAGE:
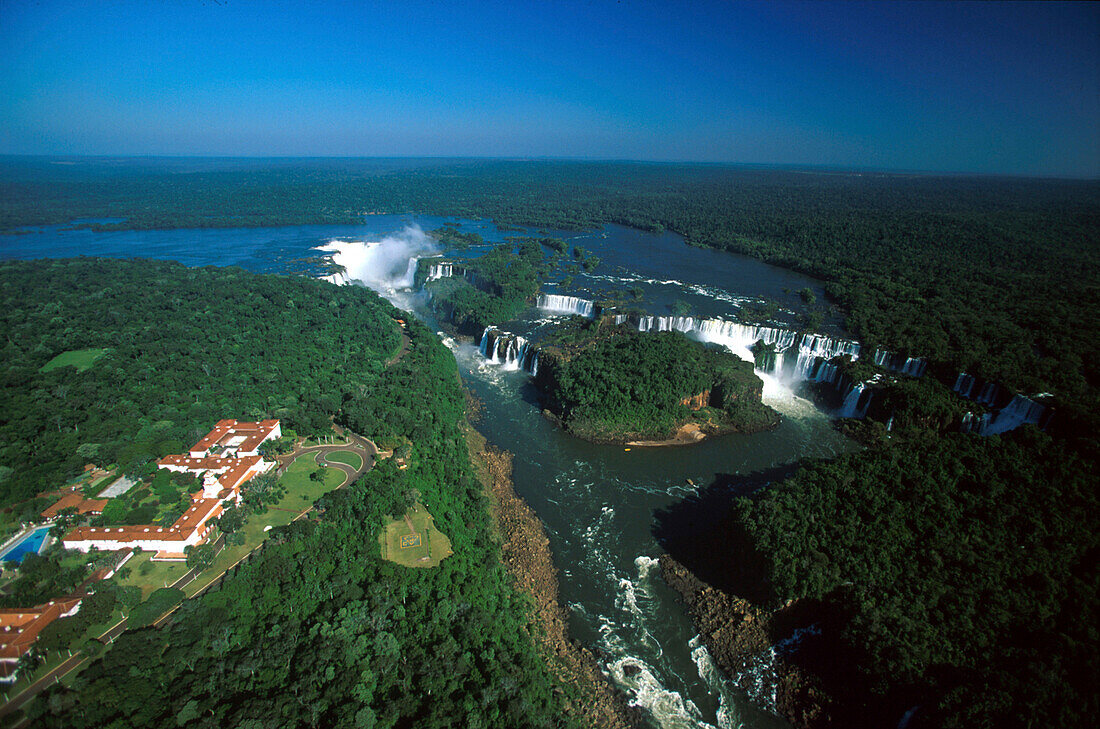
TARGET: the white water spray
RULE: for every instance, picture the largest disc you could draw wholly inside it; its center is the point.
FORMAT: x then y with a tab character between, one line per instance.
388	265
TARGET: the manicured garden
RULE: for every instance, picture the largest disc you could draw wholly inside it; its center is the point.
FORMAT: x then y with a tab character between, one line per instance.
349	458
421	546
141	571
301	491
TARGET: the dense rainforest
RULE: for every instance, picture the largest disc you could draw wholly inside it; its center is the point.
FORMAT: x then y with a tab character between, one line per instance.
613	384
182	348
971	561
999	277
496	286
957	573
316	629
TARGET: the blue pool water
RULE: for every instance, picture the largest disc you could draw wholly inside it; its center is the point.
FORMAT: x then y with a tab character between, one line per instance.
30	543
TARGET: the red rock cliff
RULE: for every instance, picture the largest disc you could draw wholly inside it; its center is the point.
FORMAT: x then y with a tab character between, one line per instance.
697	401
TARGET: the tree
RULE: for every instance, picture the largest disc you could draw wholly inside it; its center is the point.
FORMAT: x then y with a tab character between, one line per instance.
28	662
231	520
200	556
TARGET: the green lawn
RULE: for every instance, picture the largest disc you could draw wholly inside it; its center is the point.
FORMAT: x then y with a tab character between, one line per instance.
158	575
301	492
82	359
350	458
426	547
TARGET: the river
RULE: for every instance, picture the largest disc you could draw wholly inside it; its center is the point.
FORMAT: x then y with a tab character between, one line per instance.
598	502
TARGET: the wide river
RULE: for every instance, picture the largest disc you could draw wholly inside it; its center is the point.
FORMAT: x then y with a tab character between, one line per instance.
598	502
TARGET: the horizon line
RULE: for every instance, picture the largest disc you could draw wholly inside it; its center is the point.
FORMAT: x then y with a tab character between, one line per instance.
777	166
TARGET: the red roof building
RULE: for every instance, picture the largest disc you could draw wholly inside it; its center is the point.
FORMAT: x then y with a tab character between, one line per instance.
77	501
236	438
19	628
233	464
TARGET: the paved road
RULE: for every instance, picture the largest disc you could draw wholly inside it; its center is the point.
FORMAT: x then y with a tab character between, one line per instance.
357	444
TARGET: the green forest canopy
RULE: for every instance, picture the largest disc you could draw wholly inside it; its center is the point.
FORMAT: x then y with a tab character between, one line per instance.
316	630
183	348
996	276
967	566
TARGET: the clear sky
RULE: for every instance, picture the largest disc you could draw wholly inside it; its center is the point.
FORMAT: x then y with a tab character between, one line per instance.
966	87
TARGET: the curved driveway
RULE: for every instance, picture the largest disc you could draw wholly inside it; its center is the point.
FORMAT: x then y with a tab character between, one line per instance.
356	444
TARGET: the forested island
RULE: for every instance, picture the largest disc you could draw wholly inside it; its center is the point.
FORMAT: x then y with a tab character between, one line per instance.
939	576
613	384
316	628
914	260
494	287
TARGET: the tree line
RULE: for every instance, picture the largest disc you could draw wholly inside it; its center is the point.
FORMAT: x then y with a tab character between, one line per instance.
316	629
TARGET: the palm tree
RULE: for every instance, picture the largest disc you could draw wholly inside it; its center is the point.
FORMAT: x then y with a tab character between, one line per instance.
28	662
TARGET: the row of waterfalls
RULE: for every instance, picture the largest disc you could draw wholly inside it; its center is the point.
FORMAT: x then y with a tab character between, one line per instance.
787	355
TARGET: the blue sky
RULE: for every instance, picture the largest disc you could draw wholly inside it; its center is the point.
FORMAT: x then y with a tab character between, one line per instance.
966	87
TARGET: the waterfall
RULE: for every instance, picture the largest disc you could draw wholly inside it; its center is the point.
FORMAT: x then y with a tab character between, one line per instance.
340	278
852	407
440	270
964	384
511	351
387	265
912	366
1012	413
800	356
567	304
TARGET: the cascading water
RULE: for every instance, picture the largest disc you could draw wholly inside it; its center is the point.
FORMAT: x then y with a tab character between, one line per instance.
852	406
567	305
388	265
440	270
1018	410
912	366
511	351
799	357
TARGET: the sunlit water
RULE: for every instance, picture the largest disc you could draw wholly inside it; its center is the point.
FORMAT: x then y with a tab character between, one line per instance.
597	502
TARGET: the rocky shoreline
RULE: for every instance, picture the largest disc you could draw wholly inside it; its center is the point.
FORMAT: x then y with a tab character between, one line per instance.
736	633
688	433
525	550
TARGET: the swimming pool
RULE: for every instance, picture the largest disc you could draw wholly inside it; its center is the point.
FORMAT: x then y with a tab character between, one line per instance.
29	543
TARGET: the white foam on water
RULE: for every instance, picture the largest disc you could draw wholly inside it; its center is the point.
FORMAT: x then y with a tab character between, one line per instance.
761	678
669	709
710	292
727	717
387	266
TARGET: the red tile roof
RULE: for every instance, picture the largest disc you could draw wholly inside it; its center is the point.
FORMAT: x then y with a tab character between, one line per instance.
194	518
254	434
235	476
207	463
74	499
19	627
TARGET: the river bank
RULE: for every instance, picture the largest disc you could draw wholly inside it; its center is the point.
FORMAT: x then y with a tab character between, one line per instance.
741	638
525	551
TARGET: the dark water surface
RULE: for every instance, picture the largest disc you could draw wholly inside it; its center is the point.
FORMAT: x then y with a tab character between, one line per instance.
597	502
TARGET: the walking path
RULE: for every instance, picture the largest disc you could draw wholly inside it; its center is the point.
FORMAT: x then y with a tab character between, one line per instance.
355	443
402	352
